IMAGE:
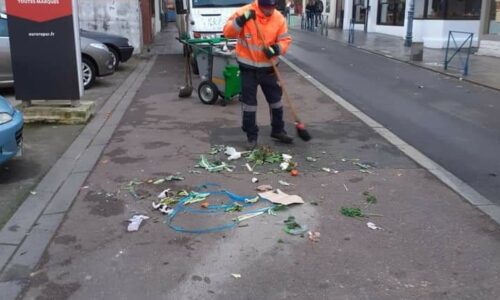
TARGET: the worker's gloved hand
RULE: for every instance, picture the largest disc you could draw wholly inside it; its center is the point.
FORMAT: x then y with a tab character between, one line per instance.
247	15
271	51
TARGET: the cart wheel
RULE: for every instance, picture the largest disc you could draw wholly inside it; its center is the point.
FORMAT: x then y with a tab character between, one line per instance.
208	92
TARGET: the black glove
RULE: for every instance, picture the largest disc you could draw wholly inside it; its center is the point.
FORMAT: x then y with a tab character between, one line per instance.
247	15
273	50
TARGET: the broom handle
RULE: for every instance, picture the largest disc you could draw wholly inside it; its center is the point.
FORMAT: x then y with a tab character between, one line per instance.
280	79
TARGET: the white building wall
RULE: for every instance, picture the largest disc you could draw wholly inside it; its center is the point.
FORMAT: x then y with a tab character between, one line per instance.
122	17
433	33
490	48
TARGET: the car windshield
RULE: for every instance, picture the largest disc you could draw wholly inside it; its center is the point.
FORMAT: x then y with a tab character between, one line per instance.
220	3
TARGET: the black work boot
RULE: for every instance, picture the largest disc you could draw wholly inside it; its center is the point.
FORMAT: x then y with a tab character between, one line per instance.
282	137
251	144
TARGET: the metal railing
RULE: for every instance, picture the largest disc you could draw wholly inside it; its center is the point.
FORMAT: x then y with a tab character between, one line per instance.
323	27
350	38
456	50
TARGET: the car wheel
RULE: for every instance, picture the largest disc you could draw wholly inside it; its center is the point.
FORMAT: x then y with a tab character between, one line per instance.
88	73
116	57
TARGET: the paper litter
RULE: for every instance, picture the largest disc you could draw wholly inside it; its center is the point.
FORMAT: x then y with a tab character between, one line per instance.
135	222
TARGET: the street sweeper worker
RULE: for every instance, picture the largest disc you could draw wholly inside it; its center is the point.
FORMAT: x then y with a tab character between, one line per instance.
254	59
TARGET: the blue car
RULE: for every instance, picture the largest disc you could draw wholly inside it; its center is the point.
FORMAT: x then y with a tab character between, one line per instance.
11	131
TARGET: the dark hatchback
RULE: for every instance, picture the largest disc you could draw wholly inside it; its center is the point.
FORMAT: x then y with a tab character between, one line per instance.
119	46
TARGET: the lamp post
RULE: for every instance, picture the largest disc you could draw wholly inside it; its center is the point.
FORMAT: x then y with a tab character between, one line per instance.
409	28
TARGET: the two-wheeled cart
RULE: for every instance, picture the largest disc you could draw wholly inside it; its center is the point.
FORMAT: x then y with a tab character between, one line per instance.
217	68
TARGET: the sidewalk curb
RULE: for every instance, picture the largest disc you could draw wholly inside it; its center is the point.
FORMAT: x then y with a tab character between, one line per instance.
27	234
447	178
409	62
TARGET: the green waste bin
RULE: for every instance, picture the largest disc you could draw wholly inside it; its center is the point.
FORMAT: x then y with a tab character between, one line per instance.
233	82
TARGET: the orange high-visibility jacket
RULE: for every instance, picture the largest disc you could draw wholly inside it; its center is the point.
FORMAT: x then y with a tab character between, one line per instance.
249	46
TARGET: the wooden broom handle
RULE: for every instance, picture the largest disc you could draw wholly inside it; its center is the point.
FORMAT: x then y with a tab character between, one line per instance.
280	79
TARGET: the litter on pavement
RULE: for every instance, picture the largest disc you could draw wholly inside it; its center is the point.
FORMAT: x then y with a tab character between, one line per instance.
232	153
284	183
294	228
352	212
237	276
314	236
214	166
135	222
372	226
280	197
233	203
264	188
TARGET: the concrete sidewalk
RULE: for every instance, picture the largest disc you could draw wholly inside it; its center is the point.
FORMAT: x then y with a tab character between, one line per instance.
483	70
433	244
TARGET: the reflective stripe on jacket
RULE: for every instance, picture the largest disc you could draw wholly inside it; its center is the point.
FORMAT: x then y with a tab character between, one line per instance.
249	47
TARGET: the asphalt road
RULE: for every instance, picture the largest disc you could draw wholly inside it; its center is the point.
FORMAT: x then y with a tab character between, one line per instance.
453	122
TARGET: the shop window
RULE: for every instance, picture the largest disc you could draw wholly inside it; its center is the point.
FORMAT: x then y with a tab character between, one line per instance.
391	12
435	9
494	19
419	9
359	11
463	9
450	9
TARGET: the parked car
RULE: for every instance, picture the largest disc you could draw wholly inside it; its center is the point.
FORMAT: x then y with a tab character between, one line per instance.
119	46
11	131
97	60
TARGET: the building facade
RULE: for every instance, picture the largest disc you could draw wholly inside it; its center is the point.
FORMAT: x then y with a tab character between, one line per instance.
490	28
432	21
138	20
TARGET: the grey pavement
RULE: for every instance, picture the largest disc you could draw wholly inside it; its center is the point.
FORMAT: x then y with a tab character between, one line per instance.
483	70
433	245
45	143
26	235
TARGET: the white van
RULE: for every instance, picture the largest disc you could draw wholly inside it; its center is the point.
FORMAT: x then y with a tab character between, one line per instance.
205	18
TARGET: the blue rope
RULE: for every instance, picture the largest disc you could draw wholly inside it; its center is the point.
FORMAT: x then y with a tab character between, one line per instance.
233	199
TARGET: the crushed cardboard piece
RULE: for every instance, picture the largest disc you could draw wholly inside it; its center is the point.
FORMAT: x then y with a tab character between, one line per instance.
264	188
280	197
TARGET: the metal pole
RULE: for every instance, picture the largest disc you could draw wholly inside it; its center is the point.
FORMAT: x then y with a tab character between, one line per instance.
409	28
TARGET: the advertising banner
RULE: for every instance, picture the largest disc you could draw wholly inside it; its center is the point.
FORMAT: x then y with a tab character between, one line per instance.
45	49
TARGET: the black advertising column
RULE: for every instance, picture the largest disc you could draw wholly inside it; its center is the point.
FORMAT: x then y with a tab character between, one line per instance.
45	49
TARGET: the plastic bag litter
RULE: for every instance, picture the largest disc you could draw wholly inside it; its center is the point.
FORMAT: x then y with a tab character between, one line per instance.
233	154
372	225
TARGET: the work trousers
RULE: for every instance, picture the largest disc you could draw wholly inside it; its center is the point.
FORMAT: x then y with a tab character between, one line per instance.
250	80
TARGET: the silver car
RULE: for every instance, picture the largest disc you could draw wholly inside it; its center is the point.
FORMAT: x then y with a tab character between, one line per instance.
97	60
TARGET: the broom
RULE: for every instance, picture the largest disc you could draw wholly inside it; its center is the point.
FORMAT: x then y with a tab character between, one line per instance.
299	126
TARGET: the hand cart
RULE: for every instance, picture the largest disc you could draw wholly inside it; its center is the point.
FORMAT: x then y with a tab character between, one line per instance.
217	68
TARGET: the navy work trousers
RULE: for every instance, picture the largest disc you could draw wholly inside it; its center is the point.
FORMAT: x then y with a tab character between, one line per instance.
250	80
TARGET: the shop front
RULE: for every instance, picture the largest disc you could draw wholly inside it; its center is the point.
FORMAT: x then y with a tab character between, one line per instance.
432	22
490	28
